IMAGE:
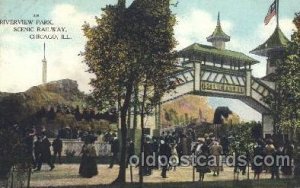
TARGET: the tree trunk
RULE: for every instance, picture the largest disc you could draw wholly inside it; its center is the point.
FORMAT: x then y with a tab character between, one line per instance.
135	111
129	132
141	178
122	171
124	109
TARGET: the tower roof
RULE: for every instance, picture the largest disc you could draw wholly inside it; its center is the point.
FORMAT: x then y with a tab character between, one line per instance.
210	53
218	33
276	42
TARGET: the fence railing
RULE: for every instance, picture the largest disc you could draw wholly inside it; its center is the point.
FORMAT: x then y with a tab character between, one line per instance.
18	177
102	148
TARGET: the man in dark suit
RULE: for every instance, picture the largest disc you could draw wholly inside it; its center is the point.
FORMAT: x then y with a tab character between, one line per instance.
37	151
115	147
130	152
165	154
148	151
57	148
45	153
28	141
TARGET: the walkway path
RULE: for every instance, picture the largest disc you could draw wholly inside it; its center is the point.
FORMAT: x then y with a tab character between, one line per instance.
68	175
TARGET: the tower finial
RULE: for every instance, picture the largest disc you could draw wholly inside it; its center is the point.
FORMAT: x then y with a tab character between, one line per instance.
219	23
218	38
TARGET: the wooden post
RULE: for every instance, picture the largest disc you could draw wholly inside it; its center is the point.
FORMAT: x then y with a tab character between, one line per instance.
12	177
193	173
131	175
248	169
29	177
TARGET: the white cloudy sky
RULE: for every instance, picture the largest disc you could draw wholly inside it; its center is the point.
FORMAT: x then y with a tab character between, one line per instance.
20	57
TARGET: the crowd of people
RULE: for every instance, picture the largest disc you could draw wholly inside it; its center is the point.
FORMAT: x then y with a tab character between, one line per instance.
272	151
38	148
171	147
168	150
175	145
80	114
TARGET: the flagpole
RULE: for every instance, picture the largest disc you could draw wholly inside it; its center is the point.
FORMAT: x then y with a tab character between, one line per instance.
277	13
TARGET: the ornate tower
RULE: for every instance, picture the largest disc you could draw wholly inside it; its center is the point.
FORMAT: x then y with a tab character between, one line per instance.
273	49
218	38
44	68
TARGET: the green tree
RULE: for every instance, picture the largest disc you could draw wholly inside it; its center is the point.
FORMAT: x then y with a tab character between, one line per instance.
107	56
130	47
152	39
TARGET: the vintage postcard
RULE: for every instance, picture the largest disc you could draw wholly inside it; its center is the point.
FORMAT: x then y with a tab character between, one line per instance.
149	93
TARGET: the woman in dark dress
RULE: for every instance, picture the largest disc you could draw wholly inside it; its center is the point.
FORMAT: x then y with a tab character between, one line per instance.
202	152
257	165
88	164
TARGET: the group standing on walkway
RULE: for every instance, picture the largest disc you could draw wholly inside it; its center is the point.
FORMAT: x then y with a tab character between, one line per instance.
168	150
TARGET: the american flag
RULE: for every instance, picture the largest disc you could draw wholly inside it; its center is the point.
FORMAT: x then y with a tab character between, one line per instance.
271	13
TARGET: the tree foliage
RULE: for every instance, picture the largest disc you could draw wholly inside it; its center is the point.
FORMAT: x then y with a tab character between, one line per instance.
130	46
244	135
